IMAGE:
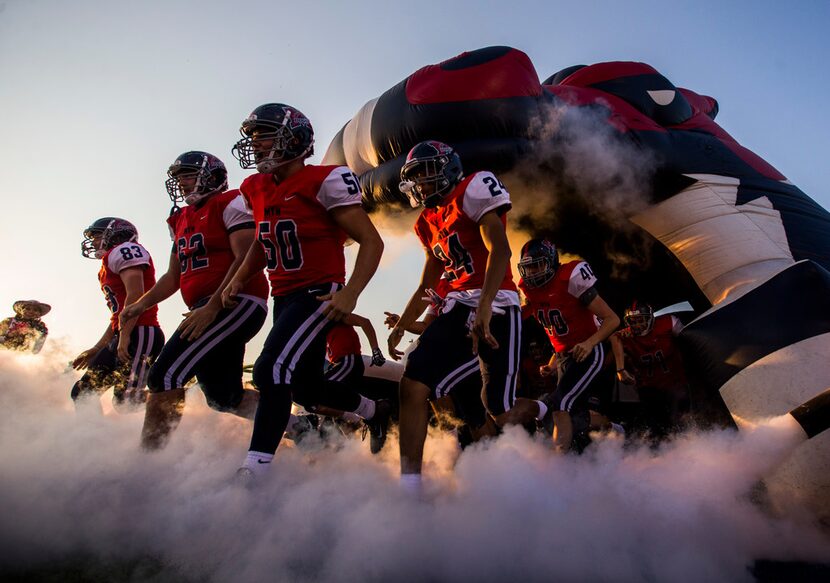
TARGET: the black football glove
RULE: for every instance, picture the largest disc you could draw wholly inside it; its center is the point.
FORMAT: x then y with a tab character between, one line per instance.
377	357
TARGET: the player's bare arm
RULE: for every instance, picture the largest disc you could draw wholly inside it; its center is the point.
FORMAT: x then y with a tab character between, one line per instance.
610	322
495	239
166	286
133	278
254	262
369	331
354	220
433	268
82	360
196	321
619	359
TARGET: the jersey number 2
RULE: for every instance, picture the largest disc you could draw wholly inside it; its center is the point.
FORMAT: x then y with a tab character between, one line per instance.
198	254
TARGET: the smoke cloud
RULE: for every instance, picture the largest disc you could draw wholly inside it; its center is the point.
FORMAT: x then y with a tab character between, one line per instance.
81	500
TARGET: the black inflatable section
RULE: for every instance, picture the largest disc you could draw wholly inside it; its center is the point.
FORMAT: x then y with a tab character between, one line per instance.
791	306
814	415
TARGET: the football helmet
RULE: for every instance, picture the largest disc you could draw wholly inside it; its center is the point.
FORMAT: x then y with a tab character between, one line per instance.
207	171
288	130
432	169
538	262
104	234
639	318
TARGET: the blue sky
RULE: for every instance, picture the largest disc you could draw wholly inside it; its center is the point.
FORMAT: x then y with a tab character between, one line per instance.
99	97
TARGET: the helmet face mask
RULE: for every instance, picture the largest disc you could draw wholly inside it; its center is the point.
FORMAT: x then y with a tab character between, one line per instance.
538	263
640	319
106	233
195	176
272	136
431	171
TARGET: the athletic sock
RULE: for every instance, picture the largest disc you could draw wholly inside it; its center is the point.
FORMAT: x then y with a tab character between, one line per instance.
543	410
366	409
258	462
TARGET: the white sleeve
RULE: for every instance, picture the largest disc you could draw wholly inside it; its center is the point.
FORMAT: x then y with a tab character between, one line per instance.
125	255
582	279
484	193
236	215
340	188
676	326
172	232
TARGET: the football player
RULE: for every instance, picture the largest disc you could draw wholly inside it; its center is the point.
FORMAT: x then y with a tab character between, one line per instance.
345	365
25	330
124	353
463	231
304	214
211	235
565	301
647	347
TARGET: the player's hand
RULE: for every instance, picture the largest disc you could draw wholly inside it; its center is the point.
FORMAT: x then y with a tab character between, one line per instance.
123	350
230	293
391	320
481	328
625	377
340	304
197	321
581	351
82	360
546	370
377	357
130	312
395	337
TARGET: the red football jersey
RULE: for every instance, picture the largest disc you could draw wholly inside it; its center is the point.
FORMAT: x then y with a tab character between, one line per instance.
451	231
302	243
201	240
655	356
341	341
117	259
557	307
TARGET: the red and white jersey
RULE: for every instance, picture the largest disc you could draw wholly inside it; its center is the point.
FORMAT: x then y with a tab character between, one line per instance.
117	259
201	240
556	305
655	357
302	243
342	340
452	233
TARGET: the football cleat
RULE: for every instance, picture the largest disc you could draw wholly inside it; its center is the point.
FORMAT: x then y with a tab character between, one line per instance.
378	425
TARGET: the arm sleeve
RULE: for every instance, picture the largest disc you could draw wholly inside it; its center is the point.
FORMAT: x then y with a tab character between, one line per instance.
340	188
485	193
582	279
237	215
128	255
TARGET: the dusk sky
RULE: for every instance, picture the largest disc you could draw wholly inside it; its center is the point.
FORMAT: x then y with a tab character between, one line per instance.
100	97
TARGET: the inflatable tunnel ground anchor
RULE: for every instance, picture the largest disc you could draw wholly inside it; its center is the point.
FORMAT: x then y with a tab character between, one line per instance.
814	415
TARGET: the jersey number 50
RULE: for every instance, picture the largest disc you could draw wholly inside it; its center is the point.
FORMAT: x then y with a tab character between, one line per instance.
281	244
